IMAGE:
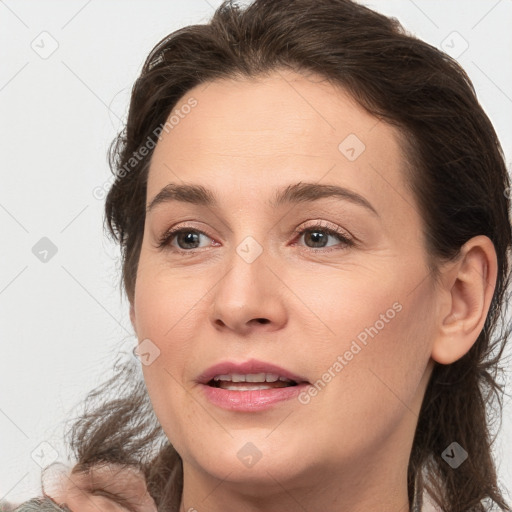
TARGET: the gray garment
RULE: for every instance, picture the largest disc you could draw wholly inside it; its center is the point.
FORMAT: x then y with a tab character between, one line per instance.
41	505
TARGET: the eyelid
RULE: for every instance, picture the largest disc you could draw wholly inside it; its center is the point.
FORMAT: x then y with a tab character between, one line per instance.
328	226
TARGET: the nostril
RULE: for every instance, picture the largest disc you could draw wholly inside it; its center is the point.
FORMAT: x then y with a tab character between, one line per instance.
263	320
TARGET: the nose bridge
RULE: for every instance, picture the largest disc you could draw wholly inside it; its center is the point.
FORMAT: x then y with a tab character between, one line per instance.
246	272
249	243
248	290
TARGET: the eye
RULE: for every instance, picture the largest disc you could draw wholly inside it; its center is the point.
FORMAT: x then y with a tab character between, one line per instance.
186	238
318	236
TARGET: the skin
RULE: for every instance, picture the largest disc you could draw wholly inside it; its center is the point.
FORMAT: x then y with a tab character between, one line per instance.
348	448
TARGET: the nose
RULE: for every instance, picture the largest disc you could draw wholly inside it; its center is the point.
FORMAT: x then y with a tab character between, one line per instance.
249	297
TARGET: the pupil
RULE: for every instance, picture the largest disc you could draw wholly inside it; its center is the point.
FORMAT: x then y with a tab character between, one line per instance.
188	238
317	237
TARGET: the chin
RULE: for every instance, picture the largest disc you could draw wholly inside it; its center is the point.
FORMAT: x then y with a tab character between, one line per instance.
253	465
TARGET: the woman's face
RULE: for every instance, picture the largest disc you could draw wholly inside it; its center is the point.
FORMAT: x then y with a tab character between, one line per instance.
260	274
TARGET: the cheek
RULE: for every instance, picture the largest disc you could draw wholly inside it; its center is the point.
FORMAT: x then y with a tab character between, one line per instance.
374	359
384	309
166	303
352	303
170	308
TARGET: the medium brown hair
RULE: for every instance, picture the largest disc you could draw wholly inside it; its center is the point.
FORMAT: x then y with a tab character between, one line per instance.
458	178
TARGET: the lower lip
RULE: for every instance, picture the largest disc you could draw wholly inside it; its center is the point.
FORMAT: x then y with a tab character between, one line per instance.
252	400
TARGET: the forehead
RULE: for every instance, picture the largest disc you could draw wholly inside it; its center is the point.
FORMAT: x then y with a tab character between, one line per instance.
256	135
245	114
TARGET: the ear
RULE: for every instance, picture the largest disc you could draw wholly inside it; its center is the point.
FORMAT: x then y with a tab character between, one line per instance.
467	287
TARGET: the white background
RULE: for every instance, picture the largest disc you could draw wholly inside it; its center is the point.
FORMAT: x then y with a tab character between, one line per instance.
63	322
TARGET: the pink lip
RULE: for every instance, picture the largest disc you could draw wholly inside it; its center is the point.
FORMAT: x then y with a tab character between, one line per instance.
251	400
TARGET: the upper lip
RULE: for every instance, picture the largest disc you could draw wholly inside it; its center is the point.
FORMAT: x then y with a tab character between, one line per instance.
246	367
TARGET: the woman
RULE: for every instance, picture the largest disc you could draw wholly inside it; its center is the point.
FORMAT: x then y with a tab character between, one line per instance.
313	214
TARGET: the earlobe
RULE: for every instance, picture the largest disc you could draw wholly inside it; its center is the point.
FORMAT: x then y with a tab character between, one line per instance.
468	285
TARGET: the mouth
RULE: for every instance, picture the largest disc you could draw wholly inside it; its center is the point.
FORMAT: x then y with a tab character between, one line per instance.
249	373
249	386
250	382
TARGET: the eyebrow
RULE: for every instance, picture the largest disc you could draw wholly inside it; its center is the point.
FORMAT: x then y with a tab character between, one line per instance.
292	194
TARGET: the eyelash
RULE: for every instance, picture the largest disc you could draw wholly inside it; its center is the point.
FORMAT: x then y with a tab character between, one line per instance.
165	240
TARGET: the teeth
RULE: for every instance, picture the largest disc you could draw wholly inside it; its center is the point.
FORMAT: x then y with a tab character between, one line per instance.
251	377
241	387
261	377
